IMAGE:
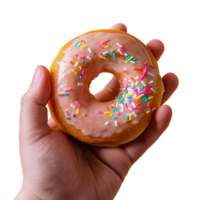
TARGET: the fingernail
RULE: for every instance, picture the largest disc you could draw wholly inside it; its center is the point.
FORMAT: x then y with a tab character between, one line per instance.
36	75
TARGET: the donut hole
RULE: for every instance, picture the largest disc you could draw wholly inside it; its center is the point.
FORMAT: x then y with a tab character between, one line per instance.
99	83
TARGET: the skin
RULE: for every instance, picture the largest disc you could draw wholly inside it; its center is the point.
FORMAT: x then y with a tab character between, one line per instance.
58	167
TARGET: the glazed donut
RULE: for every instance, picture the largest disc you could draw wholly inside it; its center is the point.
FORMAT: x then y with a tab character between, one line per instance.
75	109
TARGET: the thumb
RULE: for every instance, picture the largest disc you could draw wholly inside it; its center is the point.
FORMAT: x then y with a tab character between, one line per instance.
33	113
109	92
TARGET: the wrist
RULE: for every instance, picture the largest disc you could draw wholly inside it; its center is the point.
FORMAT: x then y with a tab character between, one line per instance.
25	194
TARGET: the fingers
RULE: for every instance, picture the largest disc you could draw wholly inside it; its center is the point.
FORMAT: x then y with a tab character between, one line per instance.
156	47
109	92
33	113
159	123
120	159
119	26
170	82
52	124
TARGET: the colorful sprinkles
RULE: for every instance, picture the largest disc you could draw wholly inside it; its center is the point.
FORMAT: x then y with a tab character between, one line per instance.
134	91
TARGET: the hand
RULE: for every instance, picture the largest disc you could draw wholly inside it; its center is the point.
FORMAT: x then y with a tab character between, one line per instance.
57	166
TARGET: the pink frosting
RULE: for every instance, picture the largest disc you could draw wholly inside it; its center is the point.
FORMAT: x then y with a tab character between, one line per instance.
94	123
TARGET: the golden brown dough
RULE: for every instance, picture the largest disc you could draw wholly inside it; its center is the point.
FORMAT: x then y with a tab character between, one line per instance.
117	138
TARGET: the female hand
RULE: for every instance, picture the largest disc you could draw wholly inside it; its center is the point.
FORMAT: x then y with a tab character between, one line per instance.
57	166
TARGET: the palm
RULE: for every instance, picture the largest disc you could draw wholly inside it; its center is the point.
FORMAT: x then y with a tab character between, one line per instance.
56	166
60	163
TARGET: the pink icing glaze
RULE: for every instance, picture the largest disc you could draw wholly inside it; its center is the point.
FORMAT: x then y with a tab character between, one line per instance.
92	124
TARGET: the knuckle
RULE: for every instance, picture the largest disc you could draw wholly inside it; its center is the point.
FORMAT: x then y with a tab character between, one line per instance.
143	140
25	99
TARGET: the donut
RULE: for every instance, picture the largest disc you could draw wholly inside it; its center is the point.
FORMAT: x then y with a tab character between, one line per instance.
119	121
